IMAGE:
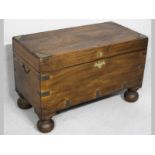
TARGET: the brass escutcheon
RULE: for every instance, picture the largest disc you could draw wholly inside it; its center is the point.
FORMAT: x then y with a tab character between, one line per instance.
99	64
99	54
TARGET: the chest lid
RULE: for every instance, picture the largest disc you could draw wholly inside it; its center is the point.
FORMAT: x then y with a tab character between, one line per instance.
62	48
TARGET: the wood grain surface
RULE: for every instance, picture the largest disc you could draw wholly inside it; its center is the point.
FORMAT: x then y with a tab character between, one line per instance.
59	69
72	46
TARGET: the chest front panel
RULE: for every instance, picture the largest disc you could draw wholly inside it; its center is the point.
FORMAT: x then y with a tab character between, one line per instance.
81	83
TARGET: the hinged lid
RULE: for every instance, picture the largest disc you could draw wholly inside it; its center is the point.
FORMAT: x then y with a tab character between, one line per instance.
72	46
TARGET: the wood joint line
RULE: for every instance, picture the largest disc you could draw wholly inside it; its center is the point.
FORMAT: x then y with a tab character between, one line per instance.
44	93
44	77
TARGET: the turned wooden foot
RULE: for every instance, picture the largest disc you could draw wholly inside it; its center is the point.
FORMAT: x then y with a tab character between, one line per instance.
131	95
45	125
23	104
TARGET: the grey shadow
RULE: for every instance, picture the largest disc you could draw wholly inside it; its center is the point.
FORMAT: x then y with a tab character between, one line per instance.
11	84
10	72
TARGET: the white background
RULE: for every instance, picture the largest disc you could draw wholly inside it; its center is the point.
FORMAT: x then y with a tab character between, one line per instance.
153	77
109	116
1	90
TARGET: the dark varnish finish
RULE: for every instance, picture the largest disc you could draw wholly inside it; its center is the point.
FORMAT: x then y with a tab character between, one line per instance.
59	69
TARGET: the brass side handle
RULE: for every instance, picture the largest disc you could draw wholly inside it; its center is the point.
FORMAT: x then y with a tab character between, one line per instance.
100	64
26	69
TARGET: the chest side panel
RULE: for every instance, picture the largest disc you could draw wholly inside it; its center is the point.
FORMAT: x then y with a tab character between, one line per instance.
27	82
85	82
24	54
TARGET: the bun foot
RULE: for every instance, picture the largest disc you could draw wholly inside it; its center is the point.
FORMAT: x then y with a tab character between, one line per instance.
131	95
45	125
23	104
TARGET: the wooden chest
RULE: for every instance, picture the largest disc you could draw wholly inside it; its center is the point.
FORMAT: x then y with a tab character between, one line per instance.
59	69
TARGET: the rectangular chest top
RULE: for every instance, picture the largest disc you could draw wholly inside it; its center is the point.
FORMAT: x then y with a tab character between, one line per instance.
72	46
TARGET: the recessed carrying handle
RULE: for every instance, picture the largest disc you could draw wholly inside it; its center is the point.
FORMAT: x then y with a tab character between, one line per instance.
26	69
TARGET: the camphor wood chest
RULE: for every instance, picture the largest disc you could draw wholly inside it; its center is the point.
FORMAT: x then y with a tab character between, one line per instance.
60	69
